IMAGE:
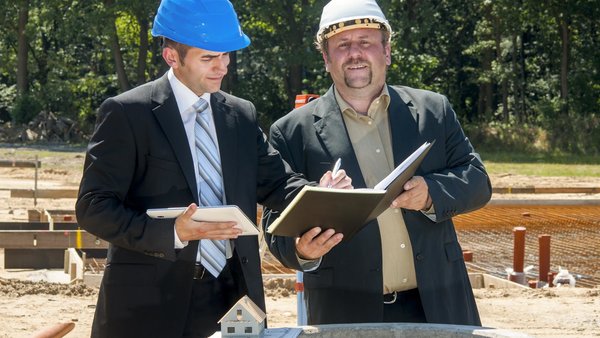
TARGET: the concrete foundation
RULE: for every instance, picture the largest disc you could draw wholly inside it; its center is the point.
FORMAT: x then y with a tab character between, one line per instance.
92	279
387	330
33	258
482	280
41	258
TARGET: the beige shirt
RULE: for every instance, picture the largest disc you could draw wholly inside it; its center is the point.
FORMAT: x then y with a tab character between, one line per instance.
371	139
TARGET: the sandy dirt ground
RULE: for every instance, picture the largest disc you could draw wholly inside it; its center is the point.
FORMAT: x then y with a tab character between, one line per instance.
28	305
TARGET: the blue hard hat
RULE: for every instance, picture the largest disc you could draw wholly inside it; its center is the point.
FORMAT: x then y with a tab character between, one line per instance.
207	24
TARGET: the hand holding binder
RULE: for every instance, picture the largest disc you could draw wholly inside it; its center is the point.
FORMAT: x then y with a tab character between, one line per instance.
345	211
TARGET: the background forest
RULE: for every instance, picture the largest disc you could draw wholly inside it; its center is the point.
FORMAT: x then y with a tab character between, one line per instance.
521	74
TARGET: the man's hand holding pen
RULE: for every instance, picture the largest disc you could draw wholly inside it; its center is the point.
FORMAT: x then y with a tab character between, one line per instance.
336	178
318	241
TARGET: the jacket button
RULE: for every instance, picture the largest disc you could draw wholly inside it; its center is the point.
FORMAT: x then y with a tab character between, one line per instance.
244	260
420	257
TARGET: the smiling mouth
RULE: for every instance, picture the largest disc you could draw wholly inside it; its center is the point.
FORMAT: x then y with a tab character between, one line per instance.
356	66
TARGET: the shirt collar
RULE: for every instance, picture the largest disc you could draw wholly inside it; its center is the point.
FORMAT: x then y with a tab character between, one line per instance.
382	102
184	96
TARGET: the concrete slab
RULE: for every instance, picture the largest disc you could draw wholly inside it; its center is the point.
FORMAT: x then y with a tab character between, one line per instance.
482	280
387	330
413	330
51	276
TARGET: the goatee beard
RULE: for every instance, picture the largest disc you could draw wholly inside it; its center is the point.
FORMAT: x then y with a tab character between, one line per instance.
353	83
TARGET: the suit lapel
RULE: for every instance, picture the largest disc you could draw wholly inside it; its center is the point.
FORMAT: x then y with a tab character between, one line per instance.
226	124
404	125
329	125
168	116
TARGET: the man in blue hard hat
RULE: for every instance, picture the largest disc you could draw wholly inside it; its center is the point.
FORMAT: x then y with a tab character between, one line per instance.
180	141
407	265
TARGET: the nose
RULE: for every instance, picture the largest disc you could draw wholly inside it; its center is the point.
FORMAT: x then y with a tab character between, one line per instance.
354	50
222	62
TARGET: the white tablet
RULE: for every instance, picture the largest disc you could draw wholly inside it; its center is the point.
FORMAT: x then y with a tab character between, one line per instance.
221	213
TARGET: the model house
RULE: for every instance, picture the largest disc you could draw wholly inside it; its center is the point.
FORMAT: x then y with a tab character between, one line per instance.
244	319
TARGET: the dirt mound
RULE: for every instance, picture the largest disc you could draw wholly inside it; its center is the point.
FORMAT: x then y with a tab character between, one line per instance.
19	288
279	286
45	127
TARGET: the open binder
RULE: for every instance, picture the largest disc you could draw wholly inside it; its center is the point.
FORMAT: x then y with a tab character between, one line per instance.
345	210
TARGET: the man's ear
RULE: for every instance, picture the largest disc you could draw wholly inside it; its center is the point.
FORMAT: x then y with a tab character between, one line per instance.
388	54
171	57
326	60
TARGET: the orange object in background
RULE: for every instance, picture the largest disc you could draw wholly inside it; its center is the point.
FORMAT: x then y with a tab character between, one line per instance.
468	255
519	249
302	99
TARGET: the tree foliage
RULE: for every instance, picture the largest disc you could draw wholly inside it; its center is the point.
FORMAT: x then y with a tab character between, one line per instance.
501	62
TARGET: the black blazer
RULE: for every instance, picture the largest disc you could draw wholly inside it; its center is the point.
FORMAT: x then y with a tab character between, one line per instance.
347	287
139	158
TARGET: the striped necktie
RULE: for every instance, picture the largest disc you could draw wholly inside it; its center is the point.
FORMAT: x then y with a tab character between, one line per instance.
212	252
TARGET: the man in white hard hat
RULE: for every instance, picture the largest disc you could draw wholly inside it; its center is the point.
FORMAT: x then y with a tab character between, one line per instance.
406	266
180	141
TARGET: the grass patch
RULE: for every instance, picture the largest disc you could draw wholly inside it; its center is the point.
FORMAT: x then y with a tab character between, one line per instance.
70	157
542	164
58	157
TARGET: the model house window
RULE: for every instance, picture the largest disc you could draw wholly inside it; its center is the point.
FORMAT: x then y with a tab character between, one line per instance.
247	329
231	329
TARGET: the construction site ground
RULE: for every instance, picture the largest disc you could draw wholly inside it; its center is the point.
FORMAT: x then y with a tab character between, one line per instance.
487	233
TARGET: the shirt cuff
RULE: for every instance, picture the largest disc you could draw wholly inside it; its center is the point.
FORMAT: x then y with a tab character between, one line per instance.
309	265
178	243
430	213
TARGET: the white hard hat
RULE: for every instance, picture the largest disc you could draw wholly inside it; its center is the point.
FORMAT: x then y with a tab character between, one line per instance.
342	15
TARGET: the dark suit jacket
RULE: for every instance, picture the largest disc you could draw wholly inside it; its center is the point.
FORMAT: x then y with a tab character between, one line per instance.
347	286
139	158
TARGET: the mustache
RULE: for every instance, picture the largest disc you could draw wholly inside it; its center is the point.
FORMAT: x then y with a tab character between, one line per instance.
356	61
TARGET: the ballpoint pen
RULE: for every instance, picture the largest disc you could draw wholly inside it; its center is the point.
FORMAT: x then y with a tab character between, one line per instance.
334	171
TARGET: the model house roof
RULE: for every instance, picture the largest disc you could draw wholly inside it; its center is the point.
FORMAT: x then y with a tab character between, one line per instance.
247	304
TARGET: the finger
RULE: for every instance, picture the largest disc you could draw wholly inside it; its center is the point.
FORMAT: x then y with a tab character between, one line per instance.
332	241
345	183
410	183
217	226
400	201
415	182
339	176
308	236
320	247
327	180
324	237
342	180
189	211
217	231
318	240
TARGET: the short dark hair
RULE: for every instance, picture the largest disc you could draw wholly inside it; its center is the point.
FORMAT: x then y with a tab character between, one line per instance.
181	48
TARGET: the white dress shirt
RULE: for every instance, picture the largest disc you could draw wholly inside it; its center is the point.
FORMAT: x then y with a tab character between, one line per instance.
185	100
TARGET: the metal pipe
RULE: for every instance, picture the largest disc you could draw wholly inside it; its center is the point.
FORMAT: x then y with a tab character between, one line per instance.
519	249
544	241
468	255
35	185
